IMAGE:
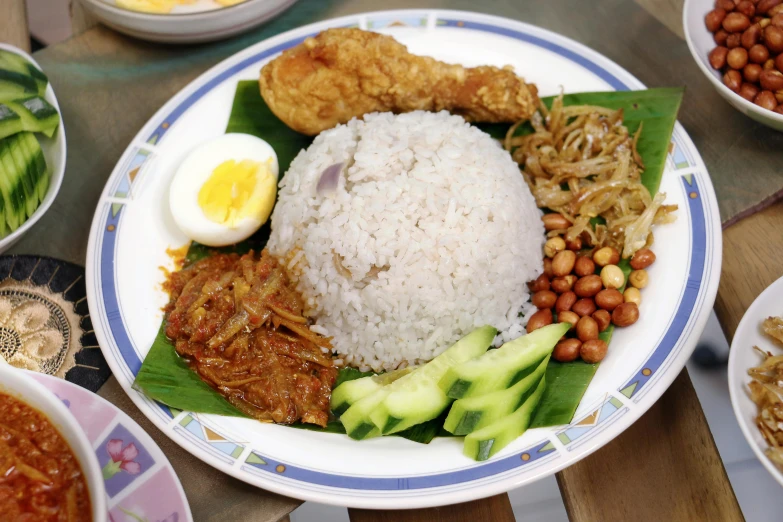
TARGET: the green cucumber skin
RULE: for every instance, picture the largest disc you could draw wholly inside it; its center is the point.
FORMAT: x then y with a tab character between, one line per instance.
486	442
10	121
15	85
34	150
11	187
19	64
474	413
500	368
28	178
351	391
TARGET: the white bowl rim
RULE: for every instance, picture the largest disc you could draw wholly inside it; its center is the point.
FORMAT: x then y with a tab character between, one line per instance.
56	179
141	15
739	387
69	429
725	91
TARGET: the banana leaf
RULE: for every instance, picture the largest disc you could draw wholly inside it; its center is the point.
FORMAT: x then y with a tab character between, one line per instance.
165	377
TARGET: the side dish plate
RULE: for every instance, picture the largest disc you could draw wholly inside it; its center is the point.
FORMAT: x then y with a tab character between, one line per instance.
133	228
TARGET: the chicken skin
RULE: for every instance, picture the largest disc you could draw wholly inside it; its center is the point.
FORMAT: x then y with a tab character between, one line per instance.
344	73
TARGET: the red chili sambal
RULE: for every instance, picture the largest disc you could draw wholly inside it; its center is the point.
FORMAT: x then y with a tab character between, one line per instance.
239	322
40	478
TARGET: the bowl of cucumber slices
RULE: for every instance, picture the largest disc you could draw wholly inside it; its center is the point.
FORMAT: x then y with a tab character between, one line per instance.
32	144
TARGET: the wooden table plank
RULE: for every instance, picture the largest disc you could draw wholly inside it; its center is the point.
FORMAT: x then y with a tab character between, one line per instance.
679	478
13	24
492	509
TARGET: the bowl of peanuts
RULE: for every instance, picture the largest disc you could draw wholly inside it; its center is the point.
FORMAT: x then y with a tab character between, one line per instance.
738	44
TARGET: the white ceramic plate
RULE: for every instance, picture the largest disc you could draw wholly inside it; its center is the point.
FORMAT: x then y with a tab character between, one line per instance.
700	43
202	21
140	484
133	228
742	357
54	152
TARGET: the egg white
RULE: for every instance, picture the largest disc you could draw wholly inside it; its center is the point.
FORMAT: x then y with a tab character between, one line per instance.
196	169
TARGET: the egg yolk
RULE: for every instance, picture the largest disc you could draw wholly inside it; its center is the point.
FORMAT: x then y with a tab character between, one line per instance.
237	190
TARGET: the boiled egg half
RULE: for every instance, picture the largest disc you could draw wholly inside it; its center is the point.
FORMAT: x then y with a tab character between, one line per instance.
225	189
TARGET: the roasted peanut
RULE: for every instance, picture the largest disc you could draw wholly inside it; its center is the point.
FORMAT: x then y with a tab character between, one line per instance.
764	6
538	284
751	73
574	244
735	22
737	58
568	317
642	259
563	284
720	37
778	9
757	54
584	266
603	319
539	320
606	256
718	57
584	307
638	278
587	329
733	40
726	5
769	64
612	276
593	351
777	20
748	91
554	245
544	299
733	80
625	315
565	301
746	7
751	36
632	295
567	350
714	18
779	62
555	221
609	299
563	263
548	268
587	286
773	38
771	80
766	99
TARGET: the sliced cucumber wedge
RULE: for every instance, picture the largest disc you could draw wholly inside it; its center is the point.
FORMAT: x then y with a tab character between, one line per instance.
418	398
11	187
351	391
14	85
36	115
357	419
474	413
28	175
18	64
486	442
33	148
10	121
504	367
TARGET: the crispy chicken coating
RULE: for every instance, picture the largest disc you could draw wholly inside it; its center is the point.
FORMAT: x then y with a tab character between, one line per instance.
344	73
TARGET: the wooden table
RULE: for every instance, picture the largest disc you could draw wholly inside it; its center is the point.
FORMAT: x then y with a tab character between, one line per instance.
666	465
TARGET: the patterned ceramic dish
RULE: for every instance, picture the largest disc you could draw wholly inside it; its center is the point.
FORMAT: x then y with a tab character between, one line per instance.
133	228
201	21
21	385
54	152
700	43
140	484
742	357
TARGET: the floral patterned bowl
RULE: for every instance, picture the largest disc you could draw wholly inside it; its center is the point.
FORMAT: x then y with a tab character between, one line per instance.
19	384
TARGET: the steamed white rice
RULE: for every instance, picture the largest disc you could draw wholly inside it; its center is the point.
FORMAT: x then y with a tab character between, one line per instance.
430	233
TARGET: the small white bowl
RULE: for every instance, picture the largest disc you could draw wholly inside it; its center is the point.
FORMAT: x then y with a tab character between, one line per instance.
742	357
196	26
700	42
54	152
20	385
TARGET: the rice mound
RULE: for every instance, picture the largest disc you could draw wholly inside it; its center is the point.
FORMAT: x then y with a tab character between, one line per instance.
431	232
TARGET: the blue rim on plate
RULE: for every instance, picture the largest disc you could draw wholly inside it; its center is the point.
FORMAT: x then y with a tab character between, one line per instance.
482	479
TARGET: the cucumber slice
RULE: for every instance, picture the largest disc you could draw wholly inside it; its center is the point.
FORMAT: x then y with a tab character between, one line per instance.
10	121
14	85
11	188
418	398
504	367
34	151
37	114
19	64
474	413
351	391
486	442
28	175
357	419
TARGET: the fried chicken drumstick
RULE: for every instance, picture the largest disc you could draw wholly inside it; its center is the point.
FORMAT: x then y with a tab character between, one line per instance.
345	73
